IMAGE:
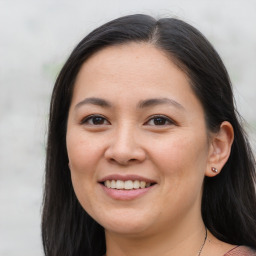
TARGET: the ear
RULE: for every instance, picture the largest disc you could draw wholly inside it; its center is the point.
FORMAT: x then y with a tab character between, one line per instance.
220	147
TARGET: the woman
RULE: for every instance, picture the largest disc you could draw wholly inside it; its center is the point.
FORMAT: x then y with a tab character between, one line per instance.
145	152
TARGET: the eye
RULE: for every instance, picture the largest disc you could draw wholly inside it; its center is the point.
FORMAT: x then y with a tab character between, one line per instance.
159	121
95	120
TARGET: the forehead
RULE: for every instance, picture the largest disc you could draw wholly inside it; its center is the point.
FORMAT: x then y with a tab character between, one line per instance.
129	57
131	62
134	70
132	51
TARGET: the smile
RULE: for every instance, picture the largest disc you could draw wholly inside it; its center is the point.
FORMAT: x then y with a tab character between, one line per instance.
126	185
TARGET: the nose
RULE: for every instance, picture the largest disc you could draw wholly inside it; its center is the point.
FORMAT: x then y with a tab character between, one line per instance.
125	147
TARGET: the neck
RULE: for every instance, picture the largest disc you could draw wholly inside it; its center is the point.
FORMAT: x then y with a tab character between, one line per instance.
186	241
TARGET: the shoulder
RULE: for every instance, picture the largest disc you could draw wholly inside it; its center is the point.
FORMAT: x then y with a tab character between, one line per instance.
241	251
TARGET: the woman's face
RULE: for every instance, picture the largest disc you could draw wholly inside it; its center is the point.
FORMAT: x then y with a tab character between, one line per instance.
134	123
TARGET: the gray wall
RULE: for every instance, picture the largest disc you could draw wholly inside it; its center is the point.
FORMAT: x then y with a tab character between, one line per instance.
36	37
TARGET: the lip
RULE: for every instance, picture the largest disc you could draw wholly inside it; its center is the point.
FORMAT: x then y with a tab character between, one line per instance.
126	177
122	194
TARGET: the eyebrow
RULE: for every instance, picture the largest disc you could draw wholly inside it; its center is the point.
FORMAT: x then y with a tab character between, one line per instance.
94	101
142	104
159	101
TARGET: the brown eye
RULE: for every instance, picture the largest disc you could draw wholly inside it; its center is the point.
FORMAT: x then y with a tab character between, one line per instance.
98	120
95	120
159	121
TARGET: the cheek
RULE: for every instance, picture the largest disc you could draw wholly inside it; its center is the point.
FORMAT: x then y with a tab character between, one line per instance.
83	152
182	161
181	150
83	189
82	158
82	162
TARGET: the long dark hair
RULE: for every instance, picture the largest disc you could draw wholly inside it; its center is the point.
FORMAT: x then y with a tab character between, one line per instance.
229	199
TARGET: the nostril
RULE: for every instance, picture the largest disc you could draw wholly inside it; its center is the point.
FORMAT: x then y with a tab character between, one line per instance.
124	155
123	162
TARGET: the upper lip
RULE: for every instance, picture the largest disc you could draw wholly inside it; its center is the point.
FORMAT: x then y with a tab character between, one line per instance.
126	177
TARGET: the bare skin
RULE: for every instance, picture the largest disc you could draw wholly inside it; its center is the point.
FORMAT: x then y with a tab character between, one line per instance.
133	112
213	246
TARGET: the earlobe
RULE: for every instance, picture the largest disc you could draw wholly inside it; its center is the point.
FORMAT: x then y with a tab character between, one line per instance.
220	147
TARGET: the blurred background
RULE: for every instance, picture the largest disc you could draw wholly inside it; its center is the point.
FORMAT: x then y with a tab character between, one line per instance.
36	37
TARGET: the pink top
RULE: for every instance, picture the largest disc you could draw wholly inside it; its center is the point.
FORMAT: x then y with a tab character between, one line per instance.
241	251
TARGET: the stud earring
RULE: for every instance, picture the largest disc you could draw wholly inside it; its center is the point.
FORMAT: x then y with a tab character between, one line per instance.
214	169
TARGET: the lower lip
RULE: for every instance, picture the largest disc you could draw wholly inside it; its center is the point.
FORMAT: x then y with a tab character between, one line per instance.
122	194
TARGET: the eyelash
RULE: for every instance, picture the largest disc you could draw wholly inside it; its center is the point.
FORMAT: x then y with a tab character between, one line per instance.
161	118
102	120
92	118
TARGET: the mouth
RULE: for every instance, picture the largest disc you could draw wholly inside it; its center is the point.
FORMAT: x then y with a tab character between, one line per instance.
126	187
127	184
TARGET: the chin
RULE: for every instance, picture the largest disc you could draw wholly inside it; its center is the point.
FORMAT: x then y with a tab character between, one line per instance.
126	223
126	228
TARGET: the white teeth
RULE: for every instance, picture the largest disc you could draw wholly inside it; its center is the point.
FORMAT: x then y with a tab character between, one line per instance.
127	185
108	183
142	184
112	184
136	184
119	184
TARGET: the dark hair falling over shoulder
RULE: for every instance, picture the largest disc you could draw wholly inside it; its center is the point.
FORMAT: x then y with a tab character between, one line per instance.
229	200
